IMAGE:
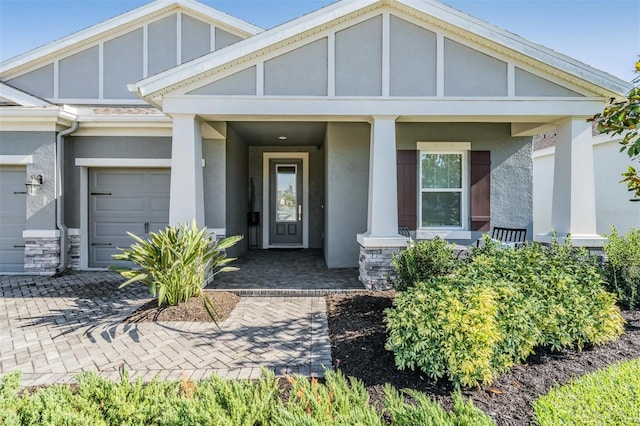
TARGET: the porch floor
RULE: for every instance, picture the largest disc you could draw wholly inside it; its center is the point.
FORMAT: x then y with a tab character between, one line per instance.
286	269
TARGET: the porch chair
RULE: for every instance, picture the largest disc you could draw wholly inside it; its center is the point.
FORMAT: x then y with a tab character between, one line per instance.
509	237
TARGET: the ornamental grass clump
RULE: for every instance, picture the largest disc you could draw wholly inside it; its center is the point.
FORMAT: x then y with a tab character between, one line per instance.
176	263
622	269
491	313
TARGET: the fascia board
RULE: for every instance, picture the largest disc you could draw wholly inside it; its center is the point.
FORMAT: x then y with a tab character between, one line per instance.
191	69
126	18
22	98
223	18
519	44
17	112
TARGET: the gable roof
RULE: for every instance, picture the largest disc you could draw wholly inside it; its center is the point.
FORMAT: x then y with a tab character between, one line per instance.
16	97
125	20
431	11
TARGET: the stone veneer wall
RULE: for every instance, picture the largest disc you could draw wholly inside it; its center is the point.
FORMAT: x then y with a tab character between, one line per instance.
41	255
73	254
376	270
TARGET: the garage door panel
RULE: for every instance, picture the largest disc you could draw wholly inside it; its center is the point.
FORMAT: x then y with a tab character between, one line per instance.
113	230
124	181
137	197
119	205
159	205
13	218
159	181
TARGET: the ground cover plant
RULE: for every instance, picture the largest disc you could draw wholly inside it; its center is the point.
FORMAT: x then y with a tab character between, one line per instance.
610	396
622	268
176	263
492	312
296	401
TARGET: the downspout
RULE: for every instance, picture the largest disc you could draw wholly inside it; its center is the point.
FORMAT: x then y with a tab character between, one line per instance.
59	204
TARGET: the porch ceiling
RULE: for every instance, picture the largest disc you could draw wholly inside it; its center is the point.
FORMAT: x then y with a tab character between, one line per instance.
298	133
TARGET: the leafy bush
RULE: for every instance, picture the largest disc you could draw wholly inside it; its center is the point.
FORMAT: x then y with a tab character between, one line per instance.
423	260
176	263
492	312
622	270
340	401
445	327
607	397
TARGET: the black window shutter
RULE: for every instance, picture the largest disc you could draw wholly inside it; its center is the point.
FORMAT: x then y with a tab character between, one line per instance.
480	190
407	188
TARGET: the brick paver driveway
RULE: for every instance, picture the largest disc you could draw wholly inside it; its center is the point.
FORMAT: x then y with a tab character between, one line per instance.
53	328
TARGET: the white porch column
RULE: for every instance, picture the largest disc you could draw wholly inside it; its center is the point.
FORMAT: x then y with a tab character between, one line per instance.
187	193
382	219
573	209
382	238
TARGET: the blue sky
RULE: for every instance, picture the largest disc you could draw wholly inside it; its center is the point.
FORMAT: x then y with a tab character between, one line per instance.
602	33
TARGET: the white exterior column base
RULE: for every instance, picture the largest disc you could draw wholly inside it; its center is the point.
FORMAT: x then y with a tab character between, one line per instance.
187	188
376	270
577	240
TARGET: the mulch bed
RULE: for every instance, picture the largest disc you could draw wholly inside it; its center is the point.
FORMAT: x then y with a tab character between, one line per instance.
192	311
358	335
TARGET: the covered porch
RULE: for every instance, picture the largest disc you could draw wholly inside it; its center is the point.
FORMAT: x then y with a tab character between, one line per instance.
286	269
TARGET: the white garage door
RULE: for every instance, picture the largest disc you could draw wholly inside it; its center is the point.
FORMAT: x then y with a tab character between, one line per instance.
121	201
13	217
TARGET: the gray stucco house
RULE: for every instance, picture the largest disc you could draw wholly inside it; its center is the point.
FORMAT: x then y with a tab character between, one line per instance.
345	123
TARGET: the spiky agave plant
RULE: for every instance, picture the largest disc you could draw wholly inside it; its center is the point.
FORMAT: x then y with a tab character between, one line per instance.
177	263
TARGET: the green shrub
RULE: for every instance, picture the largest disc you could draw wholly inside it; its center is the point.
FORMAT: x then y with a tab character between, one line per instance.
216	401
339	401
446	327
607	397
422	261
426	411
492	312
622	270
9	400
176	263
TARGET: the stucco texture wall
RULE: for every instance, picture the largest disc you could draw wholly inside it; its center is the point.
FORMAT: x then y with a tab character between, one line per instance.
41	208
347	186
511	164
237	189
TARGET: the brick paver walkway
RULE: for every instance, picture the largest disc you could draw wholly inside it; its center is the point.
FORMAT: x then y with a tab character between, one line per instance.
53	328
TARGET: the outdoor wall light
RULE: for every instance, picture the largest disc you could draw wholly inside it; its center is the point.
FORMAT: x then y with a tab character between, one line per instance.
33	184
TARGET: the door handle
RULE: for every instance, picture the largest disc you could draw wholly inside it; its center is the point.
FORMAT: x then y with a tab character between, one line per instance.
146	227
299	212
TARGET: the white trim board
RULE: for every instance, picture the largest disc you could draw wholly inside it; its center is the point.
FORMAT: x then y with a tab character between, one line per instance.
266	156
15	160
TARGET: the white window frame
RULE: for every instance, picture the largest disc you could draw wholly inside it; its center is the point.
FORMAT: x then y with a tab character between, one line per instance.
460	148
